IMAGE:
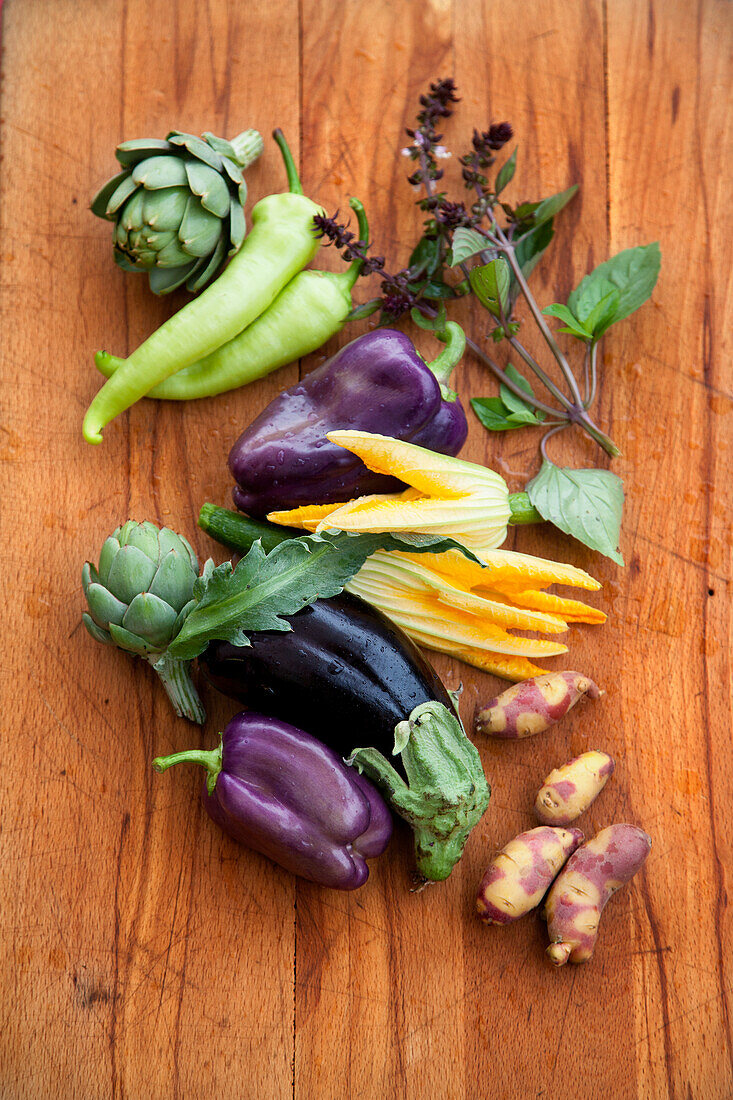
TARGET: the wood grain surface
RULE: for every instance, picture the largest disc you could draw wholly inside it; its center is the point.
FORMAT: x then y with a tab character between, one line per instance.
144	955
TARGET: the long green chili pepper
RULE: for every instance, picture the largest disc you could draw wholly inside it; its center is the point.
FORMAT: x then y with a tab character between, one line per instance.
280	244
311	308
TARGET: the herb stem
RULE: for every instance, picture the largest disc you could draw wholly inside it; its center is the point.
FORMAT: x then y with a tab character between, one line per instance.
593	373
543	377
545	437
586	377
510	385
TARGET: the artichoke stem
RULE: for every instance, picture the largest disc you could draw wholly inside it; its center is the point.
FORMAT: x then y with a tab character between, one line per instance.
248	146
176	676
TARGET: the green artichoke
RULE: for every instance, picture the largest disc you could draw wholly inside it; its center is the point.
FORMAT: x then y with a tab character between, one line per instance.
178	206
139	596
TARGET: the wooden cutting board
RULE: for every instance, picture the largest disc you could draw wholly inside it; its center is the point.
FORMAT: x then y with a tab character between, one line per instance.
143	953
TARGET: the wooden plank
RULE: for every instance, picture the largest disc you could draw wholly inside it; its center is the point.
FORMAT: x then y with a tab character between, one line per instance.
362	999
145	954
670	153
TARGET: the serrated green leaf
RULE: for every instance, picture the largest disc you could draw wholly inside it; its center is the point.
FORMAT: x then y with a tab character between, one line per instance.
548	208
586	504
466	243
506	173
633	273
266	588
490	284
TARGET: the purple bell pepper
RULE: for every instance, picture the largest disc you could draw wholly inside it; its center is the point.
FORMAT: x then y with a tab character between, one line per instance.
377	383
278	790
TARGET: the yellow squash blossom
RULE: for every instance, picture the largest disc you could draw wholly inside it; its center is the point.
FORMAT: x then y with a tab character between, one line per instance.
445	601
447	496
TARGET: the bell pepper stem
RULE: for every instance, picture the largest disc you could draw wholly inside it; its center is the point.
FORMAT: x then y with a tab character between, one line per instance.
175	675
294	185
354	269
207	758
523	511
455	344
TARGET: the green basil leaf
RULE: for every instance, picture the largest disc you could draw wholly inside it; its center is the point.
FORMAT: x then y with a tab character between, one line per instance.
586	504
633	273
506	173
466	243
490	284
604	313
425	259
548	208
515	404
528	249
572	324
492	413
435	289
366	309
522	212
495	417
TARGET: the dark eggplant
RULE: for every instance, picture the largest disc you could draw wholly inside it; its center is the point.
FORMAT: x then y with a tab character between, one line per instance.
345	673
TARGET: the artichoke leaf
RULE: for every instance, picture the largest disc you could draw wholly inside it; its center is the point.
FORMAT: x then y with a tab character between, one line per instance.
89	575
173	581
131	217
100	202
131	572
163	209
237	227
131	153
96	631
199	278
144	536
164	280
107	555
173	255
199	231
197	148
210	187
155	241
234	172
126	186
131	642
224	148
150	618
105	607
157	172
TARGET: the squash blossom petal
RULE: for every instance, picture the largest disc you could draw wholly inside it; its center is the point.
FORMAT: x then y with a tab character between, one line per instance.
446	602
447	496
